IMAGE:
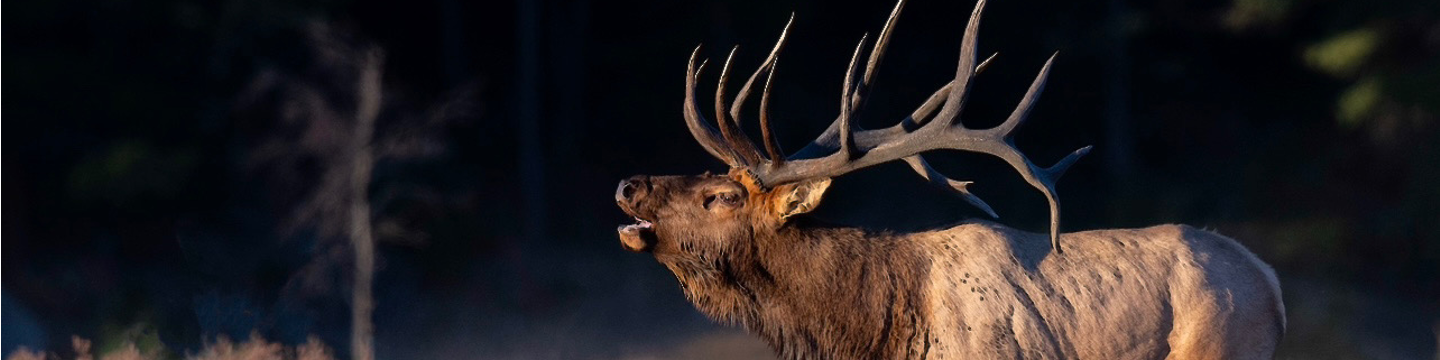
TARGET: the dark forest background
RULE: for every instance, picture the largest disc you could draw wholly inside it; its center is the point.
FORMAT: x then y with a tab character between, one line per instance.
177	170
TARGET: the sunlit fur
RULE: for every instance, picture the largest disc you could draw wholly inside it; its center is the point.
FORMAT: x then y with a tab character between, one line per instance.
974	291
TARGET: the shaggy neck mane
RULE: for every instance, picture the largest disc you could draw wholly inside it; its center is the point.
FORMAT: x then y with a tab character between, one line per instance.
817	291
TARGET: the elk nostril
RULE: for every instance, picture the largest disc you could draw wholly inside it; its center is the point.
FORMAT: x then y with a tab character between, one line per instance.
631	191
626	191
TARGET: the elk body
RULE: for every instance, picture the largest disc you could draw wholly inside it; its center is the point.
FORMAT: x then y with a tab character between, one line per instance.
744	253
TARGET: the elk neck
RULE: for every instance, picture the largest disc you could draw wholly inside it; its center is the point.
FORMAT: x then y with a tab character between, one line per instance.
815	290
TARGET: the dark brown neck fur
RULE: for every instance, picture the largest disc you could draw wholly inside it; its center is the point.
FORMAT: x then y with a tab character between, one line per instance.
815	291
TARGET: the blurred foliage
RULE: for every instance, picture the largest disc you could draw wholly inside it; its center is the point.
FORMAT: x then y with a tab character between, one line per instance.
1358	102
1248	14
1344	54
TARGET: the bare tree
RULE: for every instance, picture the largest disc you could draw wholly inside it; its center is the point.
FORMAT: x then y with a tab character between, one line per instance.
337	118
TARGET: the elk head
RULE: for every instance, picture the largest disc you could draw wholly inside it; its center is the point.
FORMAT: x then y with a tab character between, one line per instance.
709	213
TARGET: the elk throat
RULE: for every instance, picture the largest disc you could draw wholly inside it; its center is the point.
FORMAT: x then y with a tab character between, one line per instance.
815	292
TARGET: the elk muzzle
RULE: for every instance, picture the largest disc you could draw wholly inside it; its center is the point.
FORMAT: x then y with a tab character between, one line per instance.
640	236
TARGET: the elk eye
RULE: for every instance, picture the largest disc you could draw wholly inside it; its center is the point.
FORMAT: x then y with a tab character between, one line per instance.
729	199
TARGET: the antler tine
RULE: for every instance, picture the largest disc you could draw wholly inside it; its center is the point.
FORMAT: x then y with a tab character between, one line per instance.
876	54
1022	110
744	94
959	188
985	64
729	128
699	126
772	147
965	71
847	108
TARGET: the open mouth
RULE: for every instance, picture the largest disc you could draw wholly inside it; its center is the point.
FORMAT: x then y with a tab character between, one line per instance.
639	225
637	237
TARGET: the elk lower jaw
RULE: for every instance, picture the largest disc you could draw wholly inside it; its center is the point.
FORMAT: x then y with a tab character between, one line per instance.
637	237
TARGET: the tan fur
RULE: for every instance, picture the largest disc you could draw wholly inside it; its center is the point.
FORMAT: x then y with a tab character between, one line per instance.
1168	292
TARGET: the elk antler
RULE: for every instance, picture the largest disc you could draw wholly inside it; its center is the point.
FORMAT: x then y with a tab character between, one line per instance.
842	148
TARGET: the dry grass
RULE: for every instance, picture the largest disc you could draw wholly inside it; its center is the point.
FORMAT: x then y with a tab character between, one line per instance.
717	346
256	348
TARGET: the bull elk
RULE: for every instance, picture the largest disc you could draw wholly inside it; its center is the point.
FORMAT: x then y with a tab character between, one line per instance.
743	253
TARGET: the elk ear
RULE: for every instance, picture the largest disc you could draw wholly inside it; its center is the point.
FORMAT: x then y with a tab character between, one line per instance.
799	198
